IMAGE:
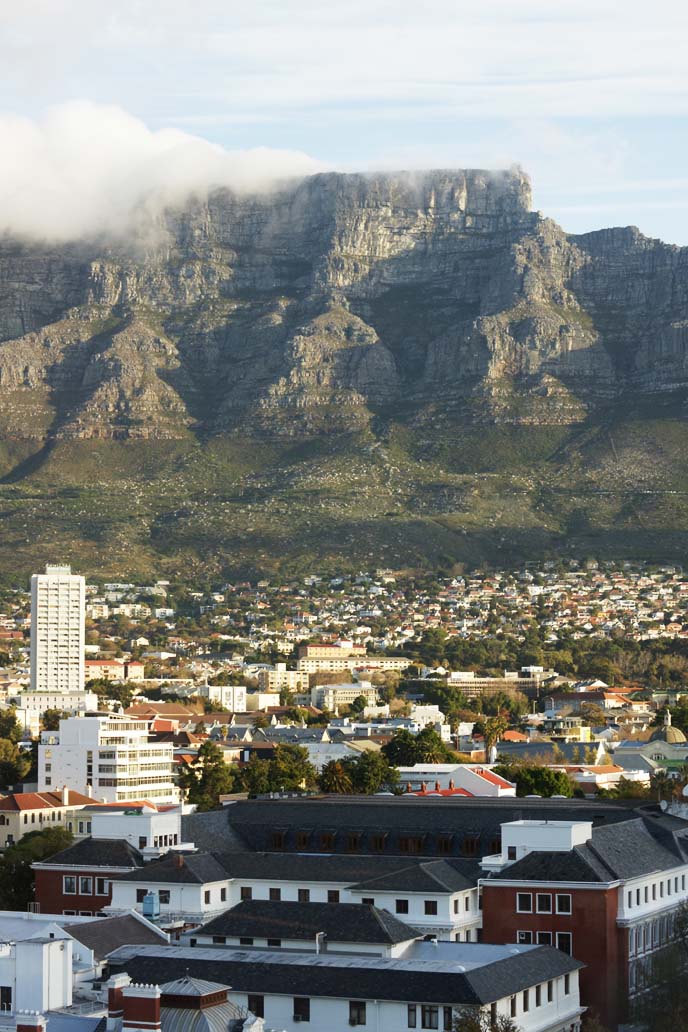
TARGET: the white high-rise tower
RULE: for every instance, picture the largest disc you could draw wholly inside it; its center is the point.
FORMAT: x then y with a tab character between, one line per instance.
57	630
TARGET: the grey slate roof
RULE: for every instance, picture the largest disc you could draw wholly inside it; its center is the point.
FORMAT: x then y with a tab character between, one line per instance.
107	934
629	849
424	876
194	869
89	852
341	922
346	977
211	830
255	820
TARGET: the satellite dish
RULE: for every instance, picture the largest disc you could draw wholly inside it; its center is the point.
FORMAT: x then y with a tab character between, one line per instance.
664	805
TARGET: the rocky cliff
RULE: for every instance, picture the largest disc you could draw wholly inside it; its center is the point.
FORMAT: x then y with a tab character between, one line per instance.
429	304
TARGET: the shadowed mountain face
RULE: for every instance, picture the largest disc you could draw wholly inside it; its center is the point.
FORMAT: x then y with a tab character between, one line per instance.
415	365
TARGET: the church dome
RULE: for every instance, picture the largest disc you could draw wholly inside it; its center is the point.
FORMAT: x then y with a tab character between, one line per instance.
667	733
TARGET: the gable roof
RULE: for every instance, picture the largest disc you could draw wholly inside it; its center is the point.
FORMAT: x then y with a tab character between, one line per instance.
341	922
107	934
424	876
18	801
180	869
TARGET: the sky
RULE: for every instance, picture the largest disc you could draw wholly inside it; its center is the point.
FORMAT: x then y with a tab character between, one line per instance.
101	103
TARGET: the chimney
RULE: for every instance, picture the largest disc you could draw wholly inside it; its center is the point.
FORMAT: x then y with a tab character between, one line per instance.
451	784
30	1021
65	796
437	786
141	1008
178	860
114	985
89	791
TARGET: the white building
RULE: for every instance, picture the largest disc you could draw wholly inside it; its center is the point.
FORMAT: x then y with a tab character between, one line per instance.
57	630
422	989
108	755
30	706
330	696
146	828
474	779
231	696
279	679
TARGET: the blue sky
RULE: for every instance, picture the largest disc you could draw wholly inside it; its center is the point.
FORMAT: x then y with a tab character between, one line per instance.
590	98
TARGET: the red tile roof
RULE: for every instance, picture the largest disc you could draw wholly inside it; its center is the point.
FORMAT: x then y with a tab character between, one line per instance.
17	801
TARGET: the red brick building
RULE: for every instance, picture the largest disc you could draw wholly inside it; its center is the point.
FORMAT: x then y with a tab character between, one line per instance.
78	880
609	900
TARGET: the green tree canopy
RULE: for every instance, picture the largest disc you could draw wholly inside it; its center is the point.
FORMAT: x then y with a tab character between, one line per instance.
532	779
15	763
206	777
16	876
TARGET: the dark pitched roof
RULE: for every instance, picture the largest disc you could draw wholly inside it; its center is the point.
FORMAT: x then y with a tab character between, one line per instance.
459	818
425	876
89	852
343	976
180	869
629	849
211	830
107	934
341	922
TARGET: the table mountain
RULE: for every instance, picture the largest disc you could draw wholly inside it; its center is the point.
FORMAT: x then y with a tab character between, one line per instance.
414	367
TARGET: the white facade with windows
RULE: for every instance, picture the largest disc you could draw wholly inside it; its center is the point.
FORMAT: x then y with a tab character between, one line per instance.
109	757
57	630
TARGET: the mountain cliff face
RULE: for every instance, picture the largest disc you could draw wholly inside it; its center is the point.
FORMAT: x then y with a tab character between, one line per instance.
428	305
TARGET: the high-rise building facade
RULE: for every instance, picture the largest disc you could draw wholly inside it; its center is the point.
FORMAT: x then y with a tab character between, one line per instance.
57	630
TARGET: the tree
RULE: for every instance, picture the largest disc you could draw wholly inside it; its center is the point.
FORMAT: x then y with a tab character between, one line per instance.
207	777
430	748
254	777
359	704
16	876
290	768
401	750
50	721
9	725
372	772
336	777
14	763
533	779
472	1019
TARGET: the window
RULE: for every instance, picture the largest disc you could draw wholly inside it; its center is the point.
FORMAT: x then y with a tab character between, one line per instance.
303	839
493	1014
245	892
469	846
430	907
550	991
544	903
69	885
401	906
654	892
276	943
538	995
368	901
327	841
444	844
223	895
220	940
333	895
563	904
5	997
511	852
564	942
447	1019
524	938
412	1015
524	903
467	903
85	886
429	1016
637	897
304	895
206	896
377	843
143	842
164	896
647	892
567	984
69	913
357	1012
245	940
411	844
353	842
102	887
278	840
526	1001
275	895
512	1009
141	895
544	938
256	1005
302	1008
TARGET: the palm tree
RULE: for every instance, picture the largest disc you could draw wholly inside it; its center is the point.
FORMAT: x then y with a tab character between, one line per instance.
334	777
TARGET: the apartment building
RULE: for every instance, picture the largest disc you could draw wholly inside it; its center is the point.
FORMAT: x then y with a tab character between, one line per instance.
110	756
57	630
30	706
279	679
23	812
330	696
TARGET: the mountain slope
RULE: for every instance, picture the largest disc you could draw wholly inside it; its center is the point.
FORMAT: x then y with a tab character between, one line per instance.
406	368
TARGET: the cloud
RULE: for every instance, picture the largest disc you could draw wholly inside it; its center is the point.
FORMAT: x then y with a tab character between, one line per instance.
87	169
